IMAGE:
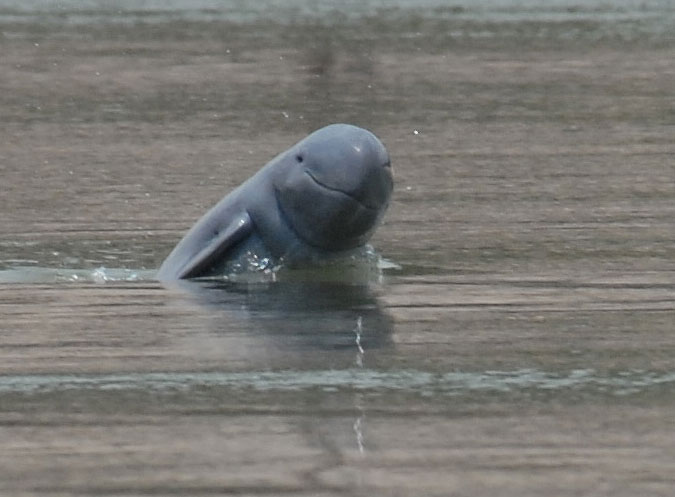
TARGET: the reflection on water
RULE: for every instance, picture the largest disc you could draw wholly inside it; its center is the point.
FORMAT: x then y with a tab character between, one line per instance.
297	315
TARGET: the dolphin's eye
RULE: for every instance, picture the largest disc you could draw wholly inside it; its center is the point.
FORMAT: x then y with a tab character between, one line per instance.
299	158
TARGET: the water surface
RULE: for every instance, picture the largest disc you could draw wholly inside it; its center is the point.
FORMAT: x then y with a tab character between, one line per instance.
517	338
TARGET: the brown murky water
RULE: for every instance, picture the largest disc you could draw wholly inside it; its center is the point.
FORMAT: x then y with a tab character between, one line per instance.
520	341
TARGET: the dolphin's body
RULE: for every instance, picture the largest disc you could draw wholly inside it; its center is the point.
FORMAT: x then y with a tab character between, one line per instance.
324	195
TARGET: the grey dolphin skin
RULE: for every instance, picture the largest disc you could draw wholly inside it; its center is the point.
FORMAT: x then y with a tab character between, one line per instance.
324	195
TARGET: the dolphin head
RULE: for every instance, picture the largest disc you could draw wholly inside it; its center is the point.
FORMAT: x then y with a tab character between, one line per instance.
335	186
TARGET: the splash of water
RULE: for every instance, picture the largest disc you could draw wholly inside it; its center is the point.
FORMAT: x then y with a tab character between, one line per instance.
361	266
100	275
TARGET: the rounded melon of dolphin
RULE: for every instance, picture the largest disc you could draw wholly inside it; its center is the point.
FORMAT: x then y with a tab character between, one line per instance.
324	195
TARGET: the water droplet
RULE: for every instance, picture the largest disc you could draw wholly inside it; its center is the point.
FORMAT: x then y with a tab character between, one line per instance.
99	275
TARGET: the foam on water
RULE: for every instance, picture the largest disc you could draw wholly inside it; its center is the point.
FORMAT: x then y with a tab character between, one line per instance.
360	266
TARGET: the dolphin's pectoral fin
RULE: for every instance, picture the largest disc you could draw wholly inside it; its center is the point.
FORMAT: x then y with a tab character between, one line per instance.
232	233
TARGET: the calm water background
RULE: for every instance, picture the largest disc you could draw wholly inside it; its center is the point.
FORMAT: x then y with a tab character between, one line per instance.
521	343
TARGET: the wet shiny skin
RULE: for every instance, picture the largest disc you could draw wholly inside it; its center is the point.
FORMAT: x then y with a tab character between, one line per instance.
323	196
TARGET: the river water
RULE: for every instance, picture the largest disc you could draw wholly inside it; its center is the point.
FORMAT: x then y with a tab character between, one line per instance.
516	338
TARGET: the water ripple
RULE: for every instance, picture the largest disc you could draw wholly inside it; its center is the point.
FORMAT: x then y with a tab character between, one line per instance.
450	383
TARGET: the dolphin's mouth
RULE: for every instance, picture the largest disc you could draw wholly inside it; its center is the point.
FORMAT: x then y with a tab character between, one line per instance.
342	192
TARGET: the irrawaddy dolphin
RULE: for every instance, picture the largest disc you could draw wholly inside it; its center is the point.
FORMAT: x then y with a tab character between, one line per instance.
323	196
